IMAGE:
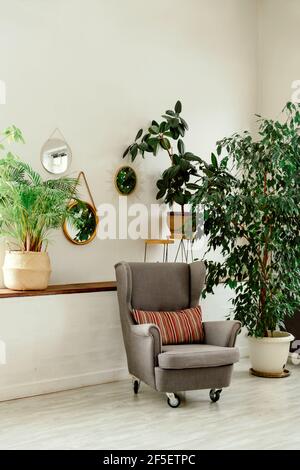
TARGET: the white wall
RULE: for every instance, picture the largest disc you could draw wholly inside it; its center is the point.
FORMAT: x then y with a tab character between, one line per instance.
278	58
99	70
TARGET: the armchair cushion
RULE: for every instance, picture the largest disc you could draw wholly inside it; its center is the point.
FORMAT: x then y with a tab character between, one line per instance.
190	356
179	327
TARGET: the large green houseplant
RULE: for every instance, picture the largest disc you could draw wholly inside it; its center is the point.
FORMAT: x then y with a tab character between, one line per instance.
250	195
174	185
29	209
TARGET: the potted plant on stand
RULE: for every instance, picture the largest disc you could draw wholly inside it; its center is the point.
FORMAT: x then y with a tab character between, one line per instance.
174	186
252	214
29	209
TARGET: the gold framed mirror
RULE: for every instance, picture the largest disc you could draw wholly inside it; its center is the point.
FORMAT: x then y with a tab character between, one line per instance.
80	227
125	180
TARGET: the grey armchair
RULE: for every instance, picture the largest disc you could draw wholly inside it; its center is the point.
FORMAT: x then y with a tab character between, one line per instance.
172	368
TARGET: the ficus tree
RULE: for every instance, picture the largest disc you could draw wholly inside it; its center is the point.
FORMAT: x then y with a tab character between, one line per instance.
250	195
175	183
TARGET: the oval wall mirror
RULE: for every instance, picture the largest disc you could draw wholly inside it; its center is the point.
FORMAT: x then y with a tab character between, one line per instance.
56	156
125	180
80	227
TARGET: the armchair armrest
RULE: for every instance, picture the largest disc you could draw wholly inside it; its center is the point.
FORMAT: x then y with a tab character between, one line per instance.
221	333
144	346
149	330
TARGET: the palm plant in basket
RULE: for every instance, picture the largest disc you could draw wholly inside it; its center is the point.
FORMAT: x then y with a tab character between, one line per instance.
30	209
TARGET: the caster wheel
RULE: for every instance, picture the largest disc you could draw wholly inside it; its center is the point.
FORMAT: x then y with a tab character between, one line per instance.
174	401
214	395
136	386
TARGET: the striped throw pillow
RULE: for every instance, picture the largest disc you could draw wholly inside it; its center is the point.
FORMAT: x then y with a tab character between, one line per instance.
179	327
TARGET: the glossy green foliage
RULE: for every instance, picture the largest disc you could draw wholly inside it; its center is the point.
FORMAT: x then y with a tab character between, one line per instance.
174	184
250	194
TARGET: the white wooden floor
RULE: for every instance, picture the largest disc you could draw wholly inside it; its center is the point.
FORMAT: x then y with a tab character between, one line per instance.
253	413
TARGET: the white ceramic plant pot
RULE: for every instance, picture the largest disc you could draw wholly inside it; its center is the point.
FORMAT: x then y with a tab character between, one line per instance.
269	355
26	270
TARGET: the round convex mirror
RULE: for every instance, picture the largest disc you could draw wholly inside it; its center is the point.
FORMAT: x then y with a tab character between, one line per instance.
80	227
125	180
56	156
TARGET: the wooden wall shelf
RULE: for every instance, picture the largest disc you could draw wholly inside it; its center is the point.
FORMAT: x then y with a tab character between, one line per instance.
61	289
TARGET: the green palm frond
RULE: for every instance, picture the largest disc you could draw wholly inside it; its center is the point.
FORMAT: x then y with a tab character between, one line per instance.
30	207
67	185
13	133
29	175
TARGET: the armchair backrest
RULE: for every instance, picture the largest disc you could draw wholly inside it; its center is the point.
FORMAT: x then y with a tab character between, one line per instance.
158	286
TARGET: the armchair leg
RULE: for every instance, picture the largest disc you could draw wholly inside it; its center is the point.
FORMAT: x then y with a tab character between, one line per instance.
173	400
136	383
214	394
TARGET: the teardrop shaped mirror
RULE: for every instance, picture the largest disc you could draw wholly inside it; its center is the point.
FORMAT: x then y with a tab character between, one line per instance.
56	156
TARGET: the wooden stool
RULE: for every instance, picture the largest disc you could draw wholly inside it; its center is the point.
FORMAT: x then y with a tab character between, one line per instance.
164	242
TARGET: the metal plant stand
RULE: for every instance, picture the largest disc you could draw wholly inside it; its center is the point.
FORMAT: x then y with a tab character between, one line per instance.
185	248
164	242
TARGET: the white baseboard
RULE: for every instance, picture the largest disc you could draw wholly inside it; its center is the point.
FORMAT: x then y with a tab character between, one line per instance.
63	383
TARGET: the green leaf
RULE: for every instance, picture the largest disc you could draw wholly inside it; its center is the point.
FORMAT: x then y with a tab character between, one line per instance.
179	198
126	152
208	172
174	133
165	143
180	146
161	184
232	283
174	122
224	162
181	130
163	127
161	194
184	164
154	129
143	147
146	137
134	151
170	112
178	107
139	134
214	160
193	158
192	186
153	143
184	123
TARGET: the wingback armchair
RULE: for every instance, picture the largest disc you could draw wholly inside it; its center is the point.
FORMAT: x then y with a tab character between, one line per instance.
172	368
